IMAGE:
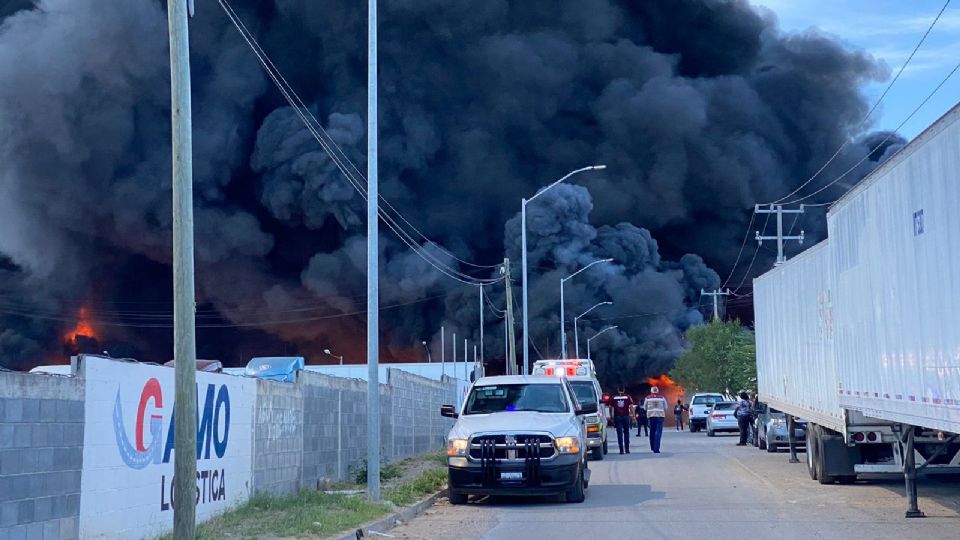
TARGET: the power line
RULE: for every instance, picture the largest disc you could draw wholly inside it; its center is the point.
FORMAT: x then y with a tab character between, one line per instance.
870	112
746	235
341	160
754	259
97	322
880	144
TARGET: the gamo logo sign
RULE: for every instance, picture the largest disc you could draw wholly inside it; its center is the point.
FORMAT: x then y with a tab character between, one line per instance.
150	445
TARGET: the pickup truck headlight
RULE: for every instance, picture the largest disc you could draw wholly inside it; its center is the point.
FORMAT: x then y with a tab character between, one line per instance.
568	445
456	447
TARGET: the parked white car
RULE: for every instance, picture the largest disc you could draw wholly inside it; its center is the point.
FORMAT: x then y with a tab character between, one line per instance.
518	435
721	417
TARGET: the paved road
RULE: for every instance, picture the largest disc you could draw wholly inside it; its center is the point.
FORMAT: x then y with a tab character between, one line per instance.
702	488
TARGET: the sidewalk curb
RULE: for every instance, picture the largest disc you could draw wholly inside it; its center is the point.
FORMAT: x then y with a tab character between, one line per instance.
386	523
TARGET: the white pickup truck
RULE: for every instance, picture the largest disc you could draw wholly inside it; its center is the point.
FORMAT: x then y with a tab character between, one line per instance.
518	435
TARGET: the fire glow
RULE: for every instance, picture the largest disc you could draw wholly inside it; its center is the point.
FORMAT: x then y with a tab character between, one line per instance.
83	329
663	381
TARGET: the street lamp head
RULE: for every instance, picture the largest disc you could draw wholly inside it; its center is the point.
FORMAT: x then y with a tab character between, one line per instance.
424	343
599	167
327	351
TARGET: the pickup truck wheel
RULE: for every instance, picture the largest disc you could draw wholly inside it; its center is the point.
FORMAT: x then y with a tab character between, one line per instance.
455	498
576	493
597	453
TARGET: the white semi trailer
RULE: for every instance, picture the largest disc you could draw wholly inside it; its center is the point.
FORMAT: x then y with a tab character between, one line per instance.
860	334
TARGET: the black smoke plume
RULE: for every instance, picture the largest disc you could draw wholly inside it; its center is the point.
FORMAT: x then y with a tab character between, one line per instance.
698	108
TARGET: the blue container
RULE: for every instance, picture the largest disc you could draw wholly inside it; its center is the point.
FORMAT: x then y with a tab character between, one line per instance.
275	368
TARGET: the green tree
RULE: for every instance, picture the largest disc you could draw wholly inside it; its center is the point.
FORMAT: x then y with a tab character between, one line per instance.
722	356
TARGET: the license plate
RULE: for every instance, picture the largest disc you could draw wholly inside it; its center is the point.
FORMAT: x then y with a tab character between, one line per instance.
511	476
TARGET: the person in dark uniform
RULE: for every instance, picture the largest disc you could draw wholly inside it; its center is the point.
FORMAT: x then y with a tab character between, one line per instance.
623	409
678	414
642	421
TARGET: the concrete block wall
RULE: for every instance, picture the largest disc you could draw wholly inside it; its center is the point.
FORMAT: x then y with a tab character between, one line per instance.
41	456
277	438
333	426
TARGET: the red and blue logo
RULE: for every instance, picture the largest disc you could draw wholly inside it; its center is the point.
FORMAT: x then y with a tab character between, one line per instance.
151	445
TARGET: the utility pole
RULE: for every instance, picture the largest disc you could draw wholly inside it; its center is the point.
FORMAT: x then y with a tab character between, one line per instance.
715	294
511	339
779	211
465	361
184	301
481	325
443	354
373	271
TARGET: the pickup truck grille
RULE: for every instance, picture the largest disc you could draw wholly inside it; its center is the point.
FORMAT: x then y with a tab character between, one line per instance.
512	448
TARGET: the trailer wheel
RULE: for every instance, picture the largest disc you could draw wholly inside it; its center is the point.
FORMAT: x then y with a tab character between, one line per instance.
811	453
820	460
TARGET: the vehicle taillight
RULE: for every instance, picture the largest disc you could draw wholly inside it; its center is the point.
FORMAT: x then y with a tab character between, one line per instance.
570	371
872	436
593	428
858	436
718	415
550	371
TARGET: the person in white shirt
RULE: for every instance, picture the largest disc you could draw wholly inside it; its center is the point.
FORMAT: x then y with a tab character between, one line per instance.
656	407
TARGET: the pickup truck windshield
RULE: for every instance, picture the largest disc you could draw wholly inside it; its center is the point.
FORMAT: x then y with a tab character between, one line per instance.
706	400
584	390
547	398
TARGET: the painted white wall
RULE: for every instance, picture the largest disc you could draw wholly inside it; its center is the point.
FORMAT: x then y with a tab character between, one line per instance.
120	501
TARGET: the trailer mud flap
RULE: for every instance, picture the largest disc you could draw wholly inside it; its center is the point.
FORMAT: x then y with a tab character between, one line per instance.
838	458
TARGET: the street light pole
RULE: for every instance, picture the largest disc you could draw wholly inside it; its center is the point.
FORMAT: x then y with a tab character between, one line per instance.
595	336
429	358
563	326
523	247
576	334
373	275
330	354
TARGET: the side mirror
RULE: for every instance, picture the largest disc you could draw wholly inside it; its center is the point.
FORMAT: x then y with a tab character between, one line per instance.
448	411
588	408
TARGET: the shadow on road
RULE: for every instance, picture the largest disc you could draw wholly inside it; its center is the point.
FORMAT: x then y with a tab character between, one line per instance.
603	496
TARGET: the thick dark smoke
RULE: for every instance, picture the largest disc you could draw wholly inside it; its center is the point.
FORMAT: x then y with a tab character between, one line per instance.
698	108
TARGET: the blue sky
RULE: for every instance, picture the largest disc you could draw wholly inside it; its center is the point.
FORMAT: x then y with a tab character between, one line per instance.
889	30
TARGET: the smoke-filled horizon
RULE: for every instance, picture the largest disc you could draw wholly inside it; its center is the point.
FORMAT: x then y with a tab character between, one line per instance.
699	109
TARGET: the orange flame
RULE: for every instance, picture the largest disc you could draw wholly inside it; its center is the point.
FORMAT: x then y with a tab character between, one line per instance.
84	327
661	381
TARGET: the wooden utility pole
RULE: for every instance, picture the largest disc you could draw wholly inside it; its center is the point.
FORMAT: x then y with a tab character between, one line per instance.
184	306
511	340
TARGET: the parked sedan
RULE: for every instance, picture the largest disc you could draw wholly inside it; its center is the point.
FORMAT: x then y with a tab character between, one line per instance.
772	429
721	418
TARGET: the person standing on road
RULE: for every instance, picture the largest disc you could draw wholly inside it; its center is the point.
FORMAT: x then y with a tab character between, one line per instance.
744	413
656	407
678	413
623	409
642	420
